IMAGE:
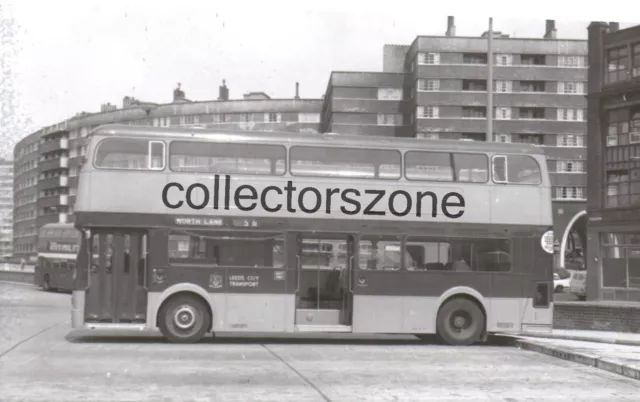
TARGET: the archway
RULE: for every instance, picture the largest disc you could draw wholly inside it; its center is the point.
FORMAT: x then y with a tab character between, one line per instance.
580	223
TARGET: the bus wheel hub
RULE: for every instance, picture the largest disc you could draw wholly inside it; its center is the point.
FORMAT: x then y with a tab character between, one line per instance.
184	317
460	322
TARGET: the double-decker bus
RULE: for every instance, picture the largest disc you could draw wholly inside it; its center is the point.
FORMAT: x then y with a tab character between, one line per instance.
58	246
193	231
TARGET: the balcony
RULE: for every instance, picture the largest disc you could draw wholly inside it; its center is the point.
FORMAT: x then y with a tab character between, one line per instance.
54	145
53	182
48	218
53	164
53	201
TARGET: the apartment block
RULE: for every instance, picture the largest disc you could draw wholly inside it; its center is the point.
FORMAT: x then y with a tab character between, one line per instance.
437	88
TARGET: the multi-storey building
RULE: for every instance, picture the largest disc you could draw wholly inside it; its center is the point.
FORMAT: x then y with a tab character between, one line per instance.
6	208
47	161
613	245
436	88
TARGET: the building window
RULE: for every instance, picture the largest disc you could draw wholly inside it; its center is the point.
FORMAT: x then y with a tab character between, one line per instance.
532	60
571	61
618	128
503	113
570	193
428	136
428	58
474	58
571	87
532	86
504	59
428	85
570	141
309	117
634	134
389	119
428	112
390	93
636	60
189	120
570	166
216	118
273	117
504	86
570	114
473	136
617	65
623	187
474	112
474	85
531	113
504	138
620	260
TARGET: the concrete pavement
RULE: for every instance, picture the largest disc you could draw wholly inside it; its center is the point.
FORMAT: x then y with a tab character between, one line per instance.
41	361
610	337
611	351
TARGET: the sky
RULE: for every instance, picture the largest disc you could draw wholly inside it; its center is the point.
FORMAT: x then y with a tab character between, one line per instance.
71	56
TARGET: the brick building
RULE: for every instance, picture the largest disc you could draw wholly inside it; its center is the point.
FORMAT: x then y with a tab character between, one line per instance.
613	245
436	88
46	162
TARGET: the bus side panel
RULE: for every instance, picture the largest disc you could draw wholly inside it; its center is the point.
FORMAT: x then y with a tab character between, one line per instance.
259	312
538	311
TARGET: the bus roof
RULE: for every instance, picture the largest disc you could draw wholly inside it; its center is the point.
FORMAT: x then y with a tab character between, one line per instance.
354	141
58	226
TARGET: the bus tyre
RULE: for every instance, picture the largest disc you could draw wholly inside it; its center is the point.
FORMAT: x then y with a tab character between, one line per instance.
46	284
460	322
184	319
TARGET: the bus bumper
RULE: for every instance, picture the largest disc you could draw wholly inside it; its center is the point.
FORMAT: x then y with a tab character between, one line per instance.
77	309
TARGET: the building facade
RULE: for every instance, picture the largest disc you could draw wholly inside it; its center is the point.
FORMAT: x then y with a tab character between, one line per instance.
613	212
6	208
436	88
47	161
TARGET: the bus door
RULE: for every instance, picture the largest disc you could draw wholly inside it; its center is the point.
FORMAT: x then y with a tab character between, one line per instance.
117	286
324	266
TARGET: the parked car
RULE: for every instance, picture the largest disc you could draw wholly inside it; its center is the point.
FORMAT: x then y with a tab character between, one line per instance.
559	285
577	285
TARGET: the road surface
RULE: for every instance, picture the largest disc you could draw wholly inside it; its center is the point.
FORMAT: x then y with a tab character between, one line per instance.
41	361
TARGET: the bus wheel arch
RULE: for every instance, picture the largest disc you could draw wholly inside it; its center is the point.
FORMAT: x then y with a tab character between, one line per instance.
464	311
185	317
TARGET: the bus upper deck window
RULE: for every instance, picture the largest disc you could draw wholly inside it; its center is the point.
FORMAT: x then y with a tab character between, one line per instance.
499	168
156	155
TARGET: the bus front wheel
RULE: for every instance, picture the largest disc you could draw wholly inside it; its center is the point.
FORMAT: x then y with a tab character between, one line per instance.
184	319
460	322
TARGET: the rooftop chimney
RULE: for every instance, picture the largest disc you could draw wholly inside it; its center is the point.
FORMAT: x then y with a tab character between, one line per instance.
178	94
614	26
451	28
129	101
107	107
297	91
550	29
223	91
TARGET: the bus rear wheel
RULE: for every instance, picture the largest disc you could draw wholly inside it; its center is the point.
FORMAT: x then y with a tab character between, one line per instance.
460	322
184	319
